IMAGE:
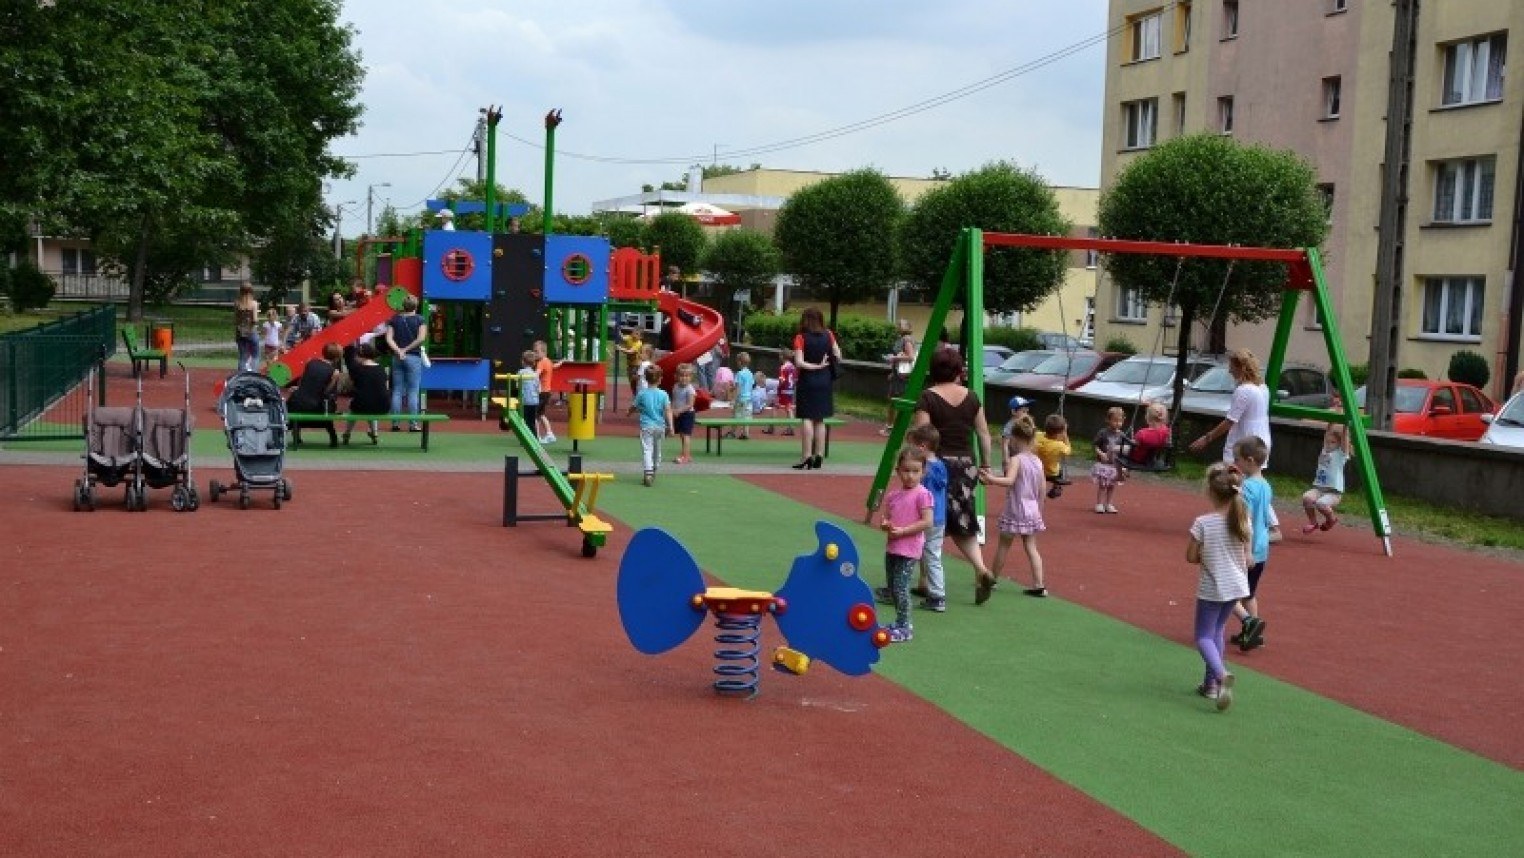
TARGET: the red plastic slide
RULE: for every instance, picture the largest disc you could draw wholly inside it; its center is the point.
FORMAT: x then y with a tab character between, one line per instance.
695	329
288	368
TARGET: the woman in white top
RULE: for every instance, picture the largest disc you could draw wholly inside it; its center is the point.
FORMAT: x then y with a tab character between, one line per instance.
1249	412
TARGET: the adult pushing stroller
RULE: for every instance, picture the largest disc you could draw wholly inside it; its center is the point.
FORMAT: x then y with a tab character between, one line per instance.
254	418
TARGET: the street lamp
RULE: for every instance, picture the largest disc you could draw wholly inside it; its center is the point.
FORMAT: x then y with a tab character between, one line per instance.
338	232
370	202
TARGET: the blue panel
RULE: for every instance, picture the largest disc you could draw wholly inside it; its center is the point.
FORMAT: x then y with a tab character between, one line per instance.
658	579
573	258
457	374
457	266
821	593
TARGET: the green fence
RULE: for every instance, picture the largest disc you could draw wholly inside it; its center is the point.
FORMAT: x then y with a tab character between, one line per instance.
42	370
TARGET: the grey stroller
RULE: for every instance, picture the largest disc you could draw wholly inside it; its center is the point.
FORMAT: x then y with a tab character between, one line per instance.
254	417
112	443
164	452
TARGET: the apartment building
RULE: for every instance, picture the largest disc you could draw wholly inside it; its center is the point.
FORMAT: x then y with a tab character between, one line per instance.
1312	76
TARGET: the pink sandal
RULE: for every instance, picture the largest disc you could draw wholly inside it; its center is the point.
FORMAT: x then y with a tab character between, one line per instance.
1311	528
1330	523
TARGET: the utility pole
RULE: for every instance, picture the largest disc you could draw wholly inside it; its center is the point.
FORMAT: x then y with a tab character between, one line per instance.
478	144
1386	303
370	203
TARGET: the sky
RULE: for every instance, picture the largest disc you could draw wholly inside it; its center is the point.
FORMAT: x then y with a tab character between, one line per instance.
648	88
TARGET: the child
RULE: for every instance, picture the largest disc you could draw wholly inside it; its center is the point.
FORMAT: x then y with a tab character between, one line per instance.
545	368
740	404
529	390
647	356
630	345
933	583
1052	447
1153	439
1249	456
684	398
270	335
1328	483
724	384
655	410
759	395
908	514
1023	502
788	377
1220	545
1019	405
1107	470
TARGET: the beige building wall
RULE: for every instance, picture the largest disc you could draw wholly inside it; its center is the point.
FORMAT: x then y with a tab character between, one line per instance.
1064	311
1278	70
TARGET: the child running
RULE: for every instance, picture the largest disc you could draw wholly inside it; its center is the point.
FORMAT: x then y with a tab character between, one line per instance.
655	409
1220	546
684	397
1022	515
909	512
1249	456
1328	483
933	583
1107	470
1052	447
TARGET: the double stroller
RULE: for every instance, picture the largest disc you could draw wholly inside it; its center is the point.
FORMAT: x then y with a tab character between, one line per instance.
254	419
145	448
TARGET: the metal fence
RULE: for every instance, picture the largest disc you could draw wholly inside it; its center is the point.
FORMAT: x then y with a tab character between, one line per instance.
102	287
42	370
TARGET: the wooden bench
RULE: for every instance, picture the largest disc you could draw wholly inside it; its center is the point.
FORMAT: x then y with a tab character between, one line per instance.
715	428
141	357
426	418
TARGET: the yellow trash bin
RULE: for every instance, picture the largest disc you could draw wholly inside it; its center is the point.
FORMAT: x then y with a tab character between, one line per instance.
582	421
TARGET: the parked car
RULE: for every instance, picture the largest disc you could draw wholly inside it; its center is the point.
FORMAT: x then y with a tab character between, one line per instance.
1015	364
1141	378
1212	391
1437	409
994	356
1065	370
1506	428
1058	342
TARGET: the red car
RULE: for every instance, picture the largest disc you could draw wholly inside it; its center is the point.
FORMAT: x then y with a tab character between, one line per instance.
1437	409
1067	369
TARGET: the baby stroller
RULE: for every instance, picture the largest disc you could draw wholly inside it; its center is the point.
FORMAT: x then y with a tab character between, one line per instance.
112	444
164	454
254	417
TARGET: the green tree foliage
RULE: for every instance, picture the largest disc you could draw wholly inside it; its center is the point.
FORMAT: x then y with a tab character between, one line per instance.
157	124
1468	367
679	238
741	259
624	231
471	190
28	288
998	197
1210	189
837	237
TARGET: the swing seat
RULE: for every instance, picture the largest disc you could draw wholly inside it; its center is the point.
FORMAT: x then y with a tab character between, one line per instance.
1161	461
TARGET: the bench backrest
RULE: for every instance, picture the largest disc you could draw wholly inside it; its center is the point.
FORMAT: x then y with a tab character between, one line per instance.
131	339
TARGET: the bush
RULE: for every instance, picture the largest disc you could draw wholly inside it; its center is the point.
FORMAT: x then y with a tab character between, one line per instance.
29	288
1015	339
1470	368
859	338
1411	372
1122	345
1359	373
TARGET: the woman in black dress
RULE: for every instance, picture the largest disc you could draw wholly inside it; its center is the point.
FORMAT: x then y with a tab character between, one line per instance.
316	393
371	394
815	349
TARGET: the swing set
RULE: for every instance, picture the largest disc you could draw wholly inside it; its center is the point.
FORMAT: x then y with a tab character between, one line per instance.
964	278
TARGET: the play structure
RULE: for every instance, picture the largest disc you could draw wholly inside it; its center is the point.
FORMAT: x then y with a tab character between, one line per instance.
824	609
964	278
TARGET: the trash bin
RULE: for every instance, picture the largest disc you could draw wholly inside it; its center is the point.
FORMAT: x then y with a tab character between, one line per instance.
161	336
582	415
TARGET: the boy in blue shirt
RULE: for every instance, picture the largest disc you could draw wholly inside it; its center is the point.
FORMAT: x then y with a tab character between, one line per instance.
1249	456
655	409
933	582
745	383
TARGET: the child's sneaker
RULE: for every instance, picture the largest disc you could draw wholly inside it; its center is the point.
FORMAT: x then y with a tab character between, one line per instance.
550	438
934	604
1055	492
1100	509
1225	693
1208	690
902	634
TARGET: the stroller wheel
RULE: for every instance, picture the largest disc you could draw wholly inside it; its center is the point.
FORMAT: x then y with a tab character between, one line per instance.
277	500
214	491
284	491
243	500
179	499
89	499
193	498
79	496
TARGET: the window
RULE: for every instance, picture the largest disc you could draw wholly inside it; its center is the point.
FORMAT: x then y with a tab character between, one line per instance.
1144	33
1182	27
1138	120
1225	114
77	260
1474	70
1130	305
212	274
1092	256
1472	401
1337	6
1463	190
1332	89
1443	397
1230	19
1452	307
1177	104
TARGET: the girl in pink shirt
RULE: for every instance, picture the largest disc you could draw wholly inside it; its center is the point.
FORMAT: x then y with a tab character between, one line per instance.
907	517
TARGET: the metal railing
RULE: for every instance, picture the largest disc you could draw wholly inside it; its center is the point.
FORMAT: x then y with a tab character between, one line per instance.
42	371
104	287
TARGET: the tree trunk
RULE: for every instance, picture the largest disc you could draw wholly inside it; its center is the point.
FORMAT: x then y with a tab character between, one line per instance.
835	305
1182	353
139	277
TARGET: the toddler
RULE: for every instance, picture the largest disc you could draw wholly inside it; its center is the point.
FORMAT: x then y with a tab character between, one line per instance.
933	582
270	335
1220	546
1020	405
1107	470
740	403
1328	482
788	377
1052	447
1150	442
654	407
684	398
1022	515
908	514
647	360
529	389
759	395
1249	456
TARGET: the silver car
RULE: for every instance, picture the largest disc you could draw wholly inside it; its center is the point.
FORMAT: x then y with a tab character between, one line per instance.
1506	428
1212	391
1142	378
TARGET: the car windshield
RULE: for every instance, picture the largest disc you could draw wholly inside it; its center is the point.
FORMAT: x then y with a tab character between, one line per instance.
1409	399
1067	365
1139	372
1215	380
1024	361
1513	413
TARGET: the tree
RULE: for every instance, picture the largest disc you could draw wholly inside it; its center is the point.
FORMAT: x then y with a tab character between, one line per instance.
1210	189
998	197
679	238
741	259
837	237
472	190
155	126
623	231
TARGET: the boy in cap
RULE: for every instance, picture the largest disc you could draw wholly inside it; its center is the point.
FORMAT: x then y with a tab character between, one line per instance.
1019	405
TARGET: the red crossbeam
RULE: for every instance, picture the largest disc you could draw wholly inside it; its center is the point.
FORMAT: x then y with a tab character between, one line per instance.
1162	248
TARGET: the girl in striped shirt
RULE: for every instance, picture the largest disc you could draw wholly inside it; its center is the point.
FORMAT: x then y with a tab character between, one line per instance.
1220	546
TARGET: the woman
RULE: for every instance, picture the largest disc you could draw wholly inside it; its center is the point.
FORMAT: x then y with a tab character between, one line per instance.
814	349
1249	412
958	416
245	333
337	309
369	382
901	361
317	392
404	337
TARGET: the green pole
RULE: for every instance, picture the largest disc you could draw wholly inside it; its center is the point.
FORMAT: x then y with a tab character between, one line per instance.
490	195
552	119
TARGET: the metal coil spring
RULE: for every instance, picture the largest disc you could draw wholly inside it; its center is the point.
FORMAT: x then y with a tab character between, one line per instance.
738	653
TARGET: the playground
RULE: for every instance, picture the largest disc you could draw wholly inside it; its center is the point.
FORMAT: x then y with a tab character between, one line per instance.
381	668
